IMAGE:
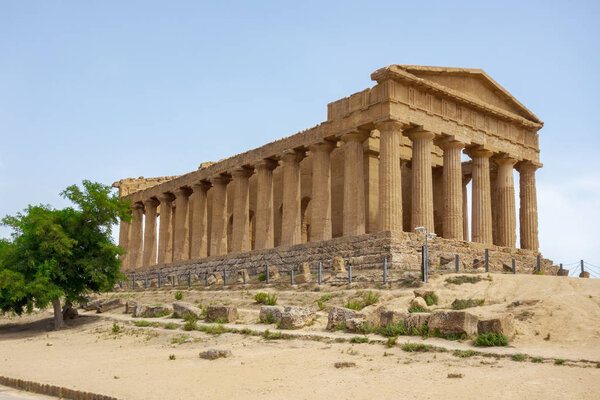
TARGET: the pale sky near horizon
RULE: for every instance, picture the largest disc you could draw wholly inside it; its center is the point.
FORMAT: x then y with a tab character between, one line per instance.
104	90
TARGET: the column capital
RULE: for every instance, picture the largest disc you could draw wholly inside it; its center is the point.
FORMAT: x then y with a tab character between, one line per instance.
390	125
504	159
220	180
358	135
201	186
478	152
183	191
322	146
527	166
166	197
293	156
138	205
267	163
151	202
419	134
448	143
242	172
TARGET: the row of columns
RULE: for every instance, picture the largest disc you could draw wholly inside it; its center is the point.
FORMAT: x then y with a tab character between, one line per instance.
187	236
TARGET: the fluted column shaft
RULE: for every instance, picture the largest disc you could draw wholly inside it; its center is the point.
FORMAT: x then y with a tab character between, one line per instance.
353	222
124	232
136	241
165	234
181	241
240	241
481	229
320	224
198	228
150	206
265	232
422	184
465	207
528	215
291	230
453	191
505	195
390	176
218	231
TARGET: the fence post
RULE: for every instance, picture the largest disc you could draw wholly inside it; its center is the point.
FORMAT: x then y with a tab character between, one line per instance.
224	277
133	282
292	276
560	270
423	277
121	284
456	262
174	277
384	271
582	270
206	278
146	283
159	279
349	273
514	268
267	272
538	266
244	276
320	275
189	279
487	260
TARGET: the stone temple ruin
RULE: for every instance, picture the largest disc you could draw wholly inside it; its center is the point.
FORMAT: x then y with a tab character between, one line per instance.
387	160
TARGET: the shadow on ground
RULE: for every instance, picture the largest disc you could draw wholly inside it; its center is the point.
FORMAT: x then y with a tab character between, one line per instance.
22	330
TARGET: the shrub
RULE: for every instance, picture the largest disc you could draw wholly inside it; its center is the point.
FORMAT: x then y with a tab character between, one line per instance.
490	339
272	335
189	317
265	298
416	347
359	339
519	357
559	361
190	326
354	305
459	280
170	325
393	330
370	298
341	327
262	277
178	295
269	319
116	328
142	323
171	356
271	300
431	299
212	330
461	304
322	300
367	328
536	359
391	342
464	353
417	309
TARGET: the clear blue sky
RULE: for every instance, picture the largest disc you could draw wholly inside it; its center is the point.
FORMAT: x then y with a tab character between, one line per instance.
104	90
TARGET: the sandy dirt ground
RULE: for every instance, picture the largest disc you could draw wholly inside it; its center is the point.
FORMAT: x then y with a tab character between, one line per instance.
135	364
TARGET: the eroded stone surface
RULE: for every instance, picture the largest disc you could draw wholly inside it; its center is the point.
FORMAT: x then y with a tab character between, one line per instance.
221	313
453	322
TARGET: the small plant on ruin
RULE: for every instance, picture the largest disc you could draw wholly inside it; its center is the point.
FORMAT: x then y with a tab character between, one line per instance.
417	309
464	353
461	304
341	327
271	300
260	297
144	323
170	325
116	328
536	359
212	330
367	328
391	342
354	305
359	339
269	319
416	347
370	298
178	295
188	316
272	335
393	330
490	339
519	357
190	326
559	361
431	299
322	300
459	280
171	357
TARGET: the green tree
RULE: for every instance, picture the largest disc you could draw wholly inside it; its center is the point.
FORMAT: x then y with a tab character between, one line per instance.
66	253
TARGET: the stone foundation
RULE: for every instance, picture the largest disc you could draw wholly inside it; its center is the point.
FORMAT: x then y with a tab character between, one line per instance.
363	252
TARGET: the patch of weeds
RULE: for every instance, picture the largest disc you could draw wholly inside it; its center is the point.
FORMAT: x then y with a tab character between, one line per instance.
188	316
547	337
262	277
341	327
417	309
212	330
340	340
265	298
393	330
221	320
524	316
180	340
416	347
490	339
190	326
116	328
170	325
272	335
171	356
367	328
354	305
160	314
322	300
316	289
536	359
269	319
464	353
370	298
559	361
144	323
359	339
431	299
178	295
459	280
461	304
391	342
519	357
246	331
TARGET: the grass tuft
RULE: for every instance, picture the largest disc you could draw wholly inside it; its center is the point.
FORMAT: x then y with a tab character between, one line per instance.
359	339
519	357
464	353
490	339
461	304
431	299
459	280
178	295
416	347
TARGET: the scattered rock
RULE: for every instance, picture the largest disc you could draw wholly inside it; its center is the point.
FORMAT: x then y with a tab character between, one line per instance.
110	304
447	262
416	320
180	308
150	311
48	344
213	354
422	292
391	317
273	272
215	279
503	324
294	317
418	302
454	375
275	312
304	276
344	364
354	324
338	264
221	313
130	306
506	268
584	274
339	315
70	313
92	305
154	283
453	322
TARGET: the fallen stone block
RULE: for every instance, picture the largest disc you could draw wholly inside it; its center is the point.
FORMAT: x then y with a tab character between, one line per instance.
339	315
70	313
354	324
215	279
150	311
338	264
503	324
416	320
130	306
294	317
418	302
213	354
422	293
110	304
453	322
273	272
93	305
221	313
181	308
274	311
388	317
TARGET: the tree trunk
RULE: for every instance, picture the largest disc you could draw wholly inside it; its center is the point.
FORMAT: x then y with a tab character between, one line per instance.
58	316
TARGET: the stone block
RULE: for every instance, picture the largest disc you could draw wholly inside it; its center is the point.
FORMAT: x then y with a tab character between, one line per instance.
354	324
110	304
273	272
150	311
215	279
453	322
180	308
93	304
416	320
388	317
338	264
274	311
305	268
503	324
418	302
221	313
339	315
294	317
130	305
422	292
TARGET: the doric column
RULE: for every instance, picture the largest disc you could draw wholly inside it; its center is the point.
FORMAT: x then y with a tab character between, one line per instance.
136	241
218	230
453	191
320	224
390	176
181	239
150	206
371	176
422	184
528	216
124	232
481	231
165	234
198	228
505	203
465	207
291	230
265	231
240	241
354	184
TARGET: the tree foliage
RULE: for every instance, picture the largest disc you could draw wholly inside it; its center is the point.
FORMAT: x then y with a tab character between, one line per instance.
61	253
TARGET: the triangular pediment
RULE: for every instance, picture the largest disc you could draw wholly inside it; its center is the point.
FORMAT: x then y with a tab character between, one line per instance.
474	83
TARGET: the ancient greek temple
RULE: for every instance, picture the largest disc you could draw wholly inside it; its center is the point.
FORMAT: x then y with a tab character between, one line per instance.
388	159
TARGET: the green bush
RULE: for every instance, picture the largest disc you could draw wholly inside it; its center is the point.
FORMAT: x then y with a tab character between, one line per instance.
393	330
370	298
490	339
417	309
265	298
391	342
144	323
190	326
262	277
178	295
354	305
170	325
360	339
116	328
416	347
519	357
212	330
431	299
367	328
464	353
272	335
461	304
